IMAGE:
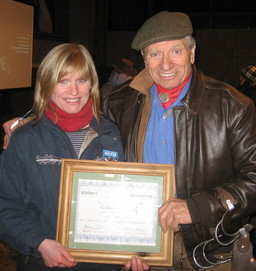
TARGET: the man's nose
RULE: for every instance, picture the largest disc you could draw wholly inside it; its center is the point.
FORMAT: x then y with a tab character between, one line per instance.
166	62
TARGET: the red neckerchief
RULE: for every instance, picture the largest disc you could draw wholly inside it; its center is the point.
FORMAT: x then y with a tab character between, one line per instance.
172	93
70	122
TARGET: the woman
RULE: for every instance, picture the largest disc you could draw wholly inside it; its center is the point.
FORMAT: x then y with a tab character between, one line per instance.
67	124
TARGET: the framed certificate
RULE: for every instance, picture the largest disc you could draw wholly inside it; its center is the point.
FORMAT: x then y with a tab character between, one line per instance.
108	211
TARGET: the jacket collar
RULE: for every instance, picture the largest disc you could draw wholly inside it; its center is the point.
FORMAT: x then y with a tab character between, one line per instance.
193	99
142	82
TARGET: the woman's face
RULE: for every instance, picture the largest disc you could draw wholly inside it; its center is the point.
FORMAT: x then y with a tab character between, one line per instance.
71	93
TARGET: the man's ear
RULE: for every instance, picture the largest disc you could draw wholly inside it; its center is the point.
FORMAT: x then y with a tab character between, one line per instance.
142	52
192	55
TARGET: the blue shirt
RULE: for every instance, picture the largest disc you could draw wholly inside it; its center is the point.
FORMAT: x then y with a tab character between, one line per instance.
159	146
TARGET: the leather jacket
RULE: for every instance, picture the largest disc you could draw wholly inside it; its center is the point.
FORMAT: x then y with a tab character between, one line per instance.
215	141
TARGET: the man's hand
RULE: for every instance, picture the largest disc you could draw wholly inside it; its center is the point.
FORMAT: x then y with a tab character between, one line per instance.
173	213
9	126
55	255
136	264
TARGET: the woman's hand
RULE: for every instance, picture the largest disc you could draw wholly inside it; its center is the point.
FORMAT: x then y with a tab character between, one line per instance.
136	264
55	255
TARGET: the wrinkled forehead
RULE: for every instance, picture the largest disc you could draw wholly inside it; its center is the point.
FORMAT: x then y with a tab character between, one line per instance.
166	45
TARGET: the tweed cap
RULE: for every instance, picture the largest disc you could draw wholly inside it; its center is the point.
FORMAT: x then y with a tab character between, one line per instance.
162	26
249	73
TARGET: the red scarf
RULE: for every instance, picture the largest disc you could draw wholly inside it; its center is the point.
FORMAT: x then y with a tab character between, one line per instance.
173	93
70	122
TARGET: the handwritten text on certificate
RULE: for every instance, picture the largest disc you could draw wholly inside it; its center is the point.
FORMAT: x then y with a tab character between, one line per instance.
117	212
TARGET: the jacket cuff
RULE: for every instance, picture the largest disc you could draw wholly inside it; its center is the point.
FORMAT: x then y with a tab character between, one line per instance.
35	243
205	209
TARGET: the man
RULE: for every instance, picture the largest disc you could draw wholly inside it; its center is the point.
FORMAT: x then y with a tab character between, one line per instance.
171	113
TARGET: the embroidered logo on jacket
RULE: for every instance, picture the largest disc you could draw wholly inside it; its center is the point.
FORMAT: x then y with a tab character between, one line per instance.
45	159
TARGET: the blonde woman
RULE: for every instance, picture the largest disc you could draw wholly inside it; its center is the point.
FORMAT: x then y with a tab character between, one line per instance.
66	124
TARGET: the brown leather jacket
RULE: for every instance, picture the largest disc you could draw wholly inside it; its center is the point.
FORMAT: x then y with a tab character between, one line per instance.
215	133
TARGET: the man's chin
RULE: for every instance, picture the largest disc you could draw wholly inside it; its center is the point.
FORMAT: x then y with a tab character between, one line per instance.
168	84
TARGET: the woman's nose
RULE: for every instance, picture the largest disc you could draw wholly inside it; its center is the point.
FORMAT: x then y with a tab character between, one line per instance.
74	88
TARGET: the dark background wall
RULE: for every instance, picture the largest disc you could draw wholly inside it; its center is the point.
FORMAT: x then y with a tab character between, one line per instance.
225	32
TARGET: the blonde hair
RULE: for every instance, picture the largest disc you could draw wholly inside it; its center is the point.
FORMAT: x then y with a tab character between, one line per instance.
61	60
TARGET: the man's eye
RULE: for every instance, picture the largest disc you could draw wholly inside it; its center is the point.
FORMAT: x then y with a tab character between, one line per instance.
154	54
177	51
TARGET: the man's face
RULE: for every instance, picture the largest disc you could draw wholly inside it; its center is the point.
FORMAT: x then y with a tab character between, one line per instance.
169	62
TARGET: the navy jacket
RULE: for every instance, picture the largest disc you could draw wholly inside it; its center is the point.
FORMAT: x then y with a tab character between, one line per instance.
29	187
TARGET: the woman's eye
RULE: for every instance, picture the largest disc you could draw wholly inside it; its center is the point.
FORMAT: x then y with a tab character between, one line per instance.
81	81
64	82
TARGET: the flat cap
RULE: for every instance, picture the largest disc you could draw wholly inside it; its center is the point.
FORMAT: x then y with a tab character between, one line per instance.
162	26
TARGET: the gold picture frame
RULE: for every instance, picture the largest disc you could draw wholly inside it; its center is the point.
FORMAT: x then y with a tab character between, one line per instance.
108	211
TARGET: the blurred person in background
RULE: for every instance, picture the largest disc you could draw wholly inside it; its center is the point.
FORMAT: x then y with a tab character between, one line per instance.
247	84
123	71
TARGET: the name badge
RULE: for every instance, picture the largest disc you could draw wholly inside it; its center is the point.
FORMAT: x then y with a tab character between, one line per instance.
110	155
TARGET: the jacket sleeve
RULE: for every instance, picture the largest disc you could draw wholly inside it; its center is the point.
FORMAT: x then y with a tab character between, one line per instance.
19	220
207	207
105	107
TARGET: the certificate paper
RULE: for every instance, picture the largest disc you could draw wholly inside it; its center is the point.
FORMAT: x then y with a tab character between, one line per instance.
108	211
116	210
